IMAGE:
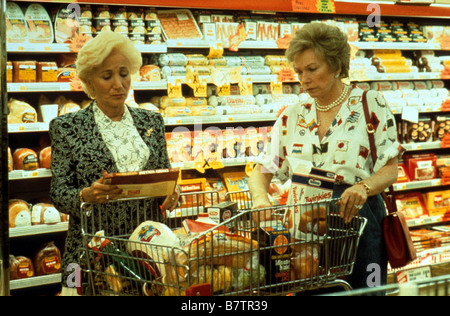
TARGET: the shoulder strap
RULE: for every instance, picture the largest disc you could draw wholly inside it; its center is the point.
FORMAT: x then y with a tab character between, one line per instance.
389	198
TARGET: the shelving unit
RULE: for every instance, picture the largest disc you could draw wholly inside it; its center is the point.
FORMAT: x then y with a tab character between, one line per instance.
342	8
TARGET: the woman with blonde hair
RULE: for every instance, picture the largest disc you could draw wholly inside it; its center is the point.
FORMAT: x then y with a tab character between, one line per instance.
329	132
106	136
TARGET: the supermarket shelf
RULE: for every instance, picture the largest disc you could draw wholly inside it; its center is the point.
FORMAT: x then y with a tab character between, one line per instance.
425	221
38	230
36	281
217	119
236	162
29	174
28	127
64	48
375	76
341	7
163	48
422	146
417	185
39	87
421	109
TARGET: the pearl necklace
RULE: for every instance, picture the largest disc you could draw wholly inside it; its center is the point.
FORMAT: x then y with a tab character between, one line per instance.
338	101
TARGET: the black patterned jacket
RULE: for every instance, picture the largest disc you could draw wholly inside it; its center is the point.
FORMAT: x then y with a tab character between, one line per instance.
79	157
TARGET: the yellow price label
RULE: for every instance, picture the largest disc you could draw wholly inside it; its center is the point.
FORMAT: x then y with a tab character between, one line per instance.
174	88
225	90
246	87
200	90
276	87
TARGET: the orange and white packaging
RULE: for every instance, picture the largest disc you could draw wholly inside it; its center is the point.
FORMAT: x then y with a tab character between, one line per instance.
309	185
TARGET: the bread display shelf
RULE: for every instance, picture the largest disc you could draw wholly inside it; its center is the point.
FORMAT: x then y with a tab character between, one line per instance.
430	220
421	109
417	185
28	127
38	230
64	48
35	281
422	146
162	48
217	119
162	85
29	174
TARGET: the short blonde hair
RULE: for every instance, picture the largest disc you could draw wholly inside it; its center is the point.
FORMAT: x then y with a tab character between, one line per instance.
328	41
94	52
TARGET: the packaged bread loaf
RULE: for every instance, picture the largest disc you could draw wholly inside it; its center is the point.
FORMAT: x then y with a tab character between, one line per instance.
19	213
21	112
45	157
44	213
24	71
20	268
40	28
68	107
47	260
10	161
25	159
16	27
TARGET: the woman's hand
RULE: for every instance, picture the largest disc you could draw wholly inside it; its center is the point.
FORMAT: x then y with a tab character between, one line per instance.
171	201
352	201
101	193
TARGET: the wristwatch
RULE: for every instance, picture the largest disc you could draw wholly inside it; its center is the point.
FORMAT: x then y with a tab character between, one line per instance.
366	186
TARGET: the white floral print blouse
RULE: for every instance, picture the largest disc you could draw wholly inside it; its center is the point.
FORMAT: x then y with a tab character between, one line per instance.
345	148
123	140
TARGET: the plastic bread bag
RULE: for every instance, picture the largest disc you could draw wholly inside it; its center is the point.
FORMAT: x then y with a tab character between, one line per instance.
217	248
305	262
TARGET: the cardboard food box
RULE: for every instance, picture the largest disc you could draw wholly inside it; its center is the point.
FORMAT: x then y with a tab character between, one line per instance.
309	185
221	212
438	203
421	167
152	183
275	256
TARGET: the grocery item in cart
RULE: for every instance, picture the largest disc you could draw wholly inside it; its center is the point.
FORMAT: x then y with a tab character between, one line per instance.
309	185
275	256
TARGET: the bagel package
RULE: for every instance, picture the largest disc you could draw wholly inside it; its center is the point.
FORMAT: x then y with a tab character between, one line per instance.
309	186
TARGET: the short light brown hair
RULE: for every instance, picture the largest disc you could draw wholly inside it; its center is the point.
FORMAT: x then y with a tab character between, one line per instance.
94	52
328	41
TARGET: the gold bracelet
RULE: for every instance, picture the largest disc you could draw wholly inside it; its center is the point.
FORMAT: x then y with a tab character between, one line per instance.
366	186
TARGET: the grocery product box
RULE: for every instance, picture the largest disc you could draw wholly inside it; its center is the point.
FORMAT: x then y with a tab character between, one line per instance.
309	185
412	205
438	202
152	183
421	167
275	256
219	213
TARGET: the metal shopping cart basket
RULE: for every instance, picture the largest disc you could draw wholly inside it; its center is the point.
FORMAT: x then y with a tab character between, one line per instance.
240	256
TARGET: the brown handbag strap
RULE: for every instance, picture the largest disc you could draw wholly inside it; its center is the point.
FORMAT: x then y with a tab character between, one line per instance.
389	198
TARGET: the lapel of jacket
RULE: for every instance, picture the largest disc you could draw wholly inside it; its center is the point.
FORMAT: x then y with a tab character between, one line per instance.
96	145
146	130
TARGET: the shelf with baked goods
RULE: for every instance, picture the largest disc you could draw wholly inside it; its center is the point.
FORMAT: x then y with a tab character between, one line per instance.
377	76
415	185
271	44
65	48
35	281
26	87
218	119
38	230
427	221
29	174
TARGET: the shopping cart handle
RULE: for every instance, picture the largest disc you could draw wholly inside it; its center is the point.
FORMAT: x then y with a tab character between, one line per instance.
199	290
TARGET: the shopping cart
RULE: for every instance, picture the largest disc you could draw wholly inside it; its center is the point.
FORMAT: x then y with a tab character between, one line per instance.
239	256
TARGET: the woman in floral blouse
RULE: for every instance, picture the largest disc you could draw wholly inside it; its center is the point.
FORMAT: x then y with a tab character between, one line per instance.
106	136
329	132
